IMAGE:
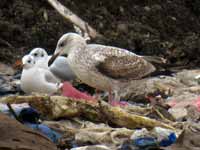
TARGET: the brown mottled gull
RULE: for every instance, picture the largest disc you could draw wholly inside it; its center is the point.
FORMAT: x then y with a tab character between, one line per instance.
105	68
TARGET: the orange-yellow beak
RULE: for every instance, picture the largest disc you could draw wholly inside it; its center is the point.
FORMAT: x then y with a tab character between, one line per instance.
18	64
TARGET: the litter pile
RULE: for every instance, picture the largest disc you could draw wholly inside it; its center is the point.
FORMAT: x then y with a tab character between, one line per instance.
157	112
167	117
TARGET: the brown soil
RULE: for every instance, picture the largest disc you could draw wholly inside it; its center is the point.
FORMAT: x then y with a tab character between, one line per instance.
163	28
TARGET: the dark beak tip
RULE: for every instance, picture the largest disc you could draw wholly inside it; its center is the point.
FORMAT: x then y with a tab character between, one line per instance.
52	59
49	63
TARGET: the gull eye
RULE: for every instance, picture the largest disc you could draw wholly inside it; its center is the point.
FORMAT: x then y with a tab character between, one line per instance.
35	54
42	55
29	61
65	55
61	44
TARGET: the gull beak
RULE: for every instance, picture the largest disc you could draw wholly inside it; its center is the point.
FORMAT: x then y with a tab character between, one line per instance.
51	60
18	64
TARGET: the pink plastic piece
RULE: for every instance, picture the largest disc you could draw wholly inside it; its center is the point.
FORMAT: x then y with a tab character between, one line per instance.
119	103
69	91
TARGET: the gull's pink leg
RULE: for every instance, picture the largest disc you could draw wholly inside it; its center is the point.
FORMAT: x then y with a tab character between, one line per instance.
110	96
116	101
97	95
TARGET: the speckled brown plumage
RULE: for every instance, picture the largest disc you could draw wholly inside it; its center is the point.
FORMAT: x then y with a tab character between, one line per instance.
102	67
124	68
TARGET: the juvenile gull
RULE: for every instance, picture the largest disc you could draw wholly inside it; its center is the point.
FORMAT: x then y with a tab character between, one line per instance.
105	68
59	68
35	79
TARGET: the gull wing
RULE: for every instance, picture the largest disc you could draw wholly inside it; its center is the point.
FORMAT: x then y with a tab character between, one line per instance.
121	64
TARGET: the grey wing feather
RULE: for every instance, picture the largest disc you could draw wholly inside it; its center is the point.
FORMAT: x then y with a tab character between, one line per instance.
49	77
61	69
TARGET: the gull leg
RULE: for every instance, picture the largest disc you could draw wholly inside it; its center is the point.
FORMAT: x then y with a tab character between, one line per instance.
110	96
112	99
116	101
116	96
97	95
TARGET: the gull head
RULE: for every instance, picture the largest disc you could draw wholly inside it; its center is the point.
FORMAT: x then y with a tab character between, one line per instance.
39	53
66	44
28	61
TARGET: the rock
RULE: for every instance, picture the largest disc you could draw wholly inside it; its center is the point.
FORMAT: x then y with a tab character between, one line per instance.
147	8
122	27
15	136
157	7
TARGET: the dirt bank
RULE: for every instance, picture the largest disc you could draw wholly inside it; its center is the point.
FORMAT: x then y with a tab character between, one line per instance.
165	28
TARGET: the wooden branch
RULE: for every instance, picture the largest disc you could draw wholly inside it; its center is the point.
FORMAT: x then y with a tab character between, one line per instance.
13	112
57	106
70	16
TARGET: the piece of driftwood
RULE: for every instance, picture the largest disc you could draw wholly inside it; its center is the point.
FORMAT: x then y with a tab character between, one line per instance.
57	106
15	136
70	16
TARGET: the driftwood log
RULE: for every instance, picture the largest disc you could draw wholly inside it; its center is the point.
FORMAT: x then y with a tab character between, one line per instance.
15	136
55	107
73	18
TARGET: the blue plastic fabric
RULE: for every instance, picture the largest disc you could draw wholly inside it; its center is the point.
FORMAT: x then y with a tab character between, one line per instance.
145	142
166	142
149	141
30	115
51	134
